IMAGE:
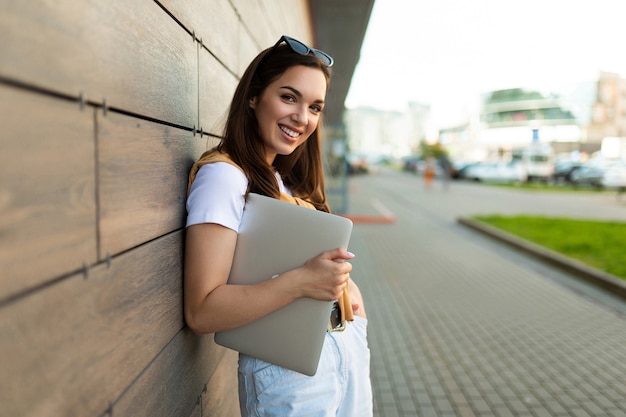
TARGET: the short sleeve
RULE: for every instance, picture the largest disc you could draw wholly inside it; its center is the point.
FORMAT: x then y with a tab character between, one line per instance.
217	195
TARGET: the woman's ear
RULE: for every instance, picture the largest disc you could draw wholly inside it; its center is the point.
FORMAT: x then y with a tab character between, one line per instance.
253	101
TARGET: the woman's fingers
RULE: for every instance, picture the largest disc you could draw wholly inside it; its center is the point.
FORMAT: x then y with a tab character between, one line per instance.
328	274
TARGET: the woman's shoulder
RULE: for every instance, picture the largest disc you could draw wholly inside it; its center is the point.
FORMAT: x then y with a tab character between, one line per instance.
222	173
217	195
213	158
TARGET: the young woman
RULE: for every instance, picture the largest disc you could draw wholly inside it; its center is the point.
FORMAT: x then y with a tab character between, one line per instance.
271	146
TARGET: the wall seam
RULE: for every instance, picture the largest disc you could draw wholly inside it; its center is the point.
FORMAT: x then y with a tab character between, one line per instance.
96	156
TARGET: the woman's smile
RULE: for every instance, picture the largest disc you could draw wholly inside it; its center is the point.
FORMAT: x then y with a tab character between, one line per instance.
291	134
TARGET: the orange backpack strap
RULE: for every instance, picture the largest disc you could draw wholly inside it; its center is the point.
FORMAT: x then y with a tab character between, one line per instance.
295	200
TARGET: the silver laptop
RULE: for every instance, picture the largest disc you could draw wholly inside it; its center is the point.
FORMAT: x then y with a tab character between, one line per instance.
275	237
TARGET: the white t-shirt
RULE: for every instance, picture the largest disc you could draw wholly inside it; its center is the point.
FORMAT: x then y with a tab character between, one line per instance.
217	195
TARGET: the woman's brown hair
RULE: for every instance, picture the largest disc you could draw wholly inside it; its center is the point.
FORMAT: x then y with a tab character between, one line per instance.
302	170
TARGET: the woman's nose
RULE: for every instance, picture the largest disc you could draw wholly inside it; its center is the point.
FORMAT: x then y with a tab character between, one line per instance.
300	116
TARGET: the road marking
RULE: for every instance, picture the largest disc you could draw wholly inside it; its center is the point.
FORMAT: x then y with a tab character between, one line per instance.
386	216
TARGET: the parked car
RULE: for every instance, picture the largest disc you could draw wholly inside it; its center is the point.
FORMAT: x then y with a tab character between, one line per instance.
473	172
589	174
460	171
537	161
563	171
411	163
501	172
615	176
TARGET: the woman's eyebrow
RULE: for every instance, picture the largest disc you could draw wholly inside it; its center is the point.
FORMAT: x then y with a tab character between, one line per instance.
293	90
299	94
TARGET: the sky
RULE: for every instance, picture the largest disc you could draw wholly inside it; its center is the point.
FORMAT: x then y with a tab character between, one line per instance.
445	53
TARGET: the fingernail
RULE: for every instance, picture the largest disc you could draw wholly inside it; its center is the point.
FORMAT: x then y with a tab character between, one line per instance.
350	254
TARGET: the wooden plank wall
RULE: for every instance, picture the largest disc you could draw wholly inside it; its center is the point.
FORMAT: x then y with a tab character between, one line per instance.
104	105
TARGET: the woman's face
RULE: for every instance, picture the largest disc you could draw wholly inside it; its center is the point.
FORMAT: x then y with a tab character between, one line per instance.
289	109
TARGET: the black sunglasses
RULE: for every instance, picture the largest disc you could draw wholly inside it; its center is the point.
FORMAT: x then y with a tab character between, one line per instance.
303	49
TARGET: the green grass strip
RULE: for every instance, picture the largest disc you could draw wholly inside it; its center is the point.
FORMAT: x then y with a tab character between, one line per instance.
595	243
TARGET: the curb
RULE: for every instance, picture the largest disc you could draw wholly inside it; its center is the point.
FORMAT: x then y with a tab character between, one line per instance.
592	275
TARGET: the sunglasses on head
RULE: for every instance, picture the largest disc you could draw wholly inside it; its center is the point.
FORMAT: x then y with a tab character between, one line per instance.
303	49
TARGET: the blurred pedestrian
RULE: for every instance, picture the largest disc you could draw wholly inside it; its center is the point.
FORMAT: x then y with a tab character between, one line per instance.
446	170
429	172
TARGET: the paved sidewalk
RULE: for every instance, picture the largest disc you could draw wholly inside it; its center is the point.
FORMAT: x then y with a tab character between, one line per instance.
462	325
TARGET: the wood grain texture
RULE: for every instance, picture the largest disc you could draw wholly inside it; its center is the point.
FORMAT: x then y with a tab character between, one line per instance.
92	198
143	171
73	348
197	410
47	189
131	55
269	19
216	89
221	398
247	51
255	20
214	22
176	380
263	22
289	17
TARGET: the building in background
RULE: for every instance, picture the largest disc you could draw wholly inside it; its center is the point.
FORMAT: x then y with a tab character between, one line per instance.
388	134
571	120
608	112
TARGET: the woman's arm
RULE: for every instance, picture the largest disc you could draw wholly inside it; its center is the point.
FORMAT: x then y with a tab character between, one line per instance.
211	305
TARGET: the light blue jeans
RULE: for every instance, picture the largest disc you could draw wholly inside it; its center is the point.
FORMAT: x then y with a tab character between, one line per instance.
340	388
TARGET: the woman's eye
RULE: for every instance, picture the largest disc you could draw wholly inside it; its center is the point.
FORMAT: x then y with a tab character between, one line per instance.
288	97
316	108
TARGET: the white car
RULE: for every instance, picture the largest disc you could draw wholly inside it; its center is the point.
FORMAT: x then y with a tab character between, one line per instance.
503	172
614	176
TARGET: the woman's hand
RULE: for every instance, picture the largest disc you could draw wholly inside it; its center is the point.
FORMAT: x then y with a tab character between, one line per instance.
325	276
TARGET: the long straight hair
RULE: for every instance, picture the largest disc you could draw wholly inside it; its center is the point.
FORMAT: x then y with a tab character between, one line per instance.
302	170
